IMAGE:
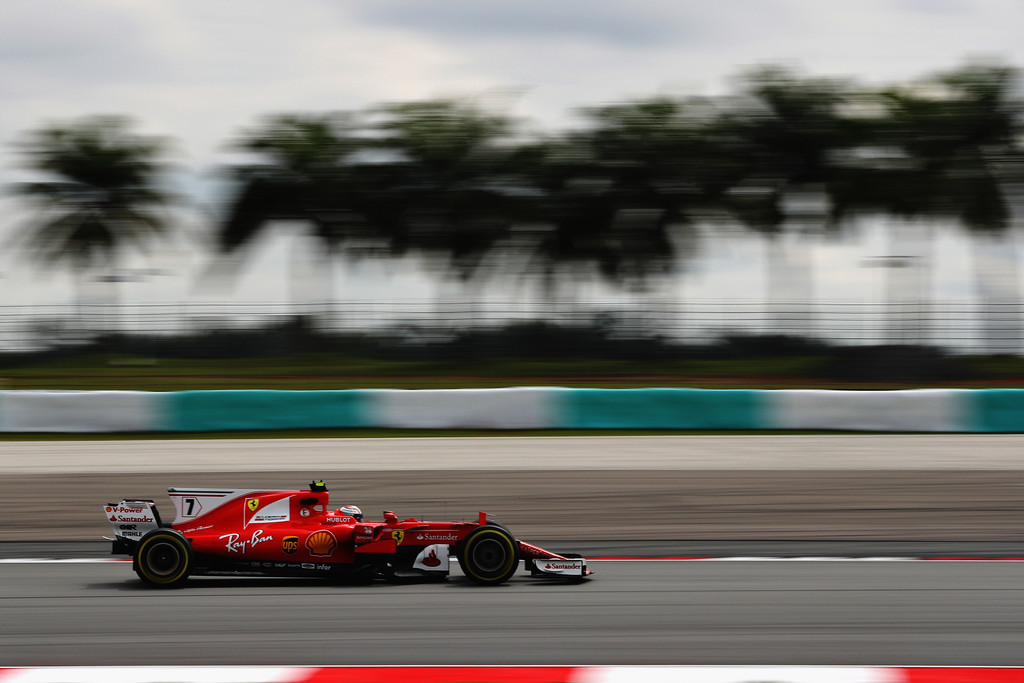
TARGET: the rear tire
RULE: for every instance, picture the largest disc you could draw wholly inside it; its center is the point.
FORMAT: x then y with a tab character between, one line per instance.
163	559
489	555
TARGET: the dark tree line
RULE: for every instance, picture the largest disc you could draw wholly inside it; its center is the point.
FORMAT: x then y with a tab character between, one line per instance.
618	198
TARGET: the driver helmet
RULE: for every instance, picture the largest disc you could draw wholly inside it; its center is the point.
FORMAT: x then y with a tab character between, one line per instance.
352	511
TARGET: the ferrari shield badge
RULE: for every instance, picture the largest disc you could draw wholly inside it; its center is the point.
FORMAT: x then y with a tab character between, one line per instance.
253	503
398	535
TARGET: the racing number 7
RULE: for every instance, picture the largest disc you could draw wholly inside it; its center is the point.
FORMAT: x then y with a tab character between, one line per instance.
191	503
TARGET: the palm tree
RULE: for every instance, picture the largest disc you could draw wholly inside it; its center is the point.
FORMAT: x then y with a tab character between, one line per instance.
101	195
617	200
306	170
987	114
952	147
654	154
447	174
787	130
450	165
911	186
568	235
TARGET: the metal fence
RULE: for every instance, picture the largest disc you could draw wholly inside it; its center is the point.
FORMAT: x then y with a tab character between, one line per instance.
964	326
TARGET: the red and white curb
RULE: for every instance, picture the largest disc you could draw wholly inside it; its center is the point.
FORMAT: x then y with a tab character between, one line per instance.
512	674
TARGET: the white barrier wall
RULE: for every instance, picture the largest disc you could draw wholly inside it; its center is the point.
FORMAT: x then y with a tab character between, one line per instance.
80	411
916	410
503	408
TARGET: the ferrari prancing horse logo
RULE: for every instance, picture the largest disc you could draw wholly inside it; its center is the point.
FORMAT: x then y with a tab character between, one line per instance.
253	503
398	535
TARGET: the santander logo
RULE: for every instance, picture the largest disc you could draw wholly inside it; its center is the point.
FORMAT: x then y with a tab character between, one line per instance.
556	565
431	559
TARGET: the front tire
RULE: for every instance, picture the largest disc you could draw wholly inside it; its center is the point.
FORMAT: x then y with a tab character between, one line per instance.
489	555
163	559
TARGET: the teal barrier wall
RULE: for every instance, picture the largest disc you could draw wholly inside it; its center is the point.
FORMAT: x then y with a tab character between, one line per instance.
980	410
204	411
661	409
995	410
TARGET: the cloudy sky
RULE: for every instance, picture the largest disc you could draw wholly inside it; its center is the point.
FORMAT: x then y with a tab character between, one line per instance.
199	70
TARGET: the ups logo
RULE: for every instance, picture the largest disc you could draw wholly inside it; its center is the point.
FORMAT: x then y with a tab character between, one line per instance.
290	544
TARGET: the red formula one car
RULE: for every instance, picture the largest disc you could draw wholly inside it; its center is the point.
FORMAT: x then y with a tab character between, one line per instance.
295	533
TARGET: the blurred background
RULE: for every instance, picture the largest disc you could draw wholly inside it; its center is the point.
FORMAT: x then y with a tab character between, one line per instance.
770	193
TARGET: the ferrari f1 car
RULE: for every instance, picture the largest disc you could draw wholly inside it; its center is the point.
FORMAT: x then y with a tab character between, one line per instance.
294	533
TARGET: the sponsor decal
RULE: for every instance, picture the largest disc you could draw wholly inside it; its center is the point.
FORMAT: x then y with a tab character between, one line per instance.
398	535
304	512
446	536
321	543
340	520
563	565
312	566
190	507
126	518
127	527
290	544
433	558
278	511
235	546
126	514
264	519
367	530
252	504
257	539
197	528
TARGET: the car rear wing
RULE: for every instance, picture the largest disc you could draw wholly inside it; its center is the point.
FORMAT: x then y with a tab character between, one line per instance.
131	519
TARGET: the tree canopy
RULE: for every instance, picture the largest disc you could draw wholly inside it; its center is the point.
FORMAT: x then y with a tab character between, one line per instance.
101	191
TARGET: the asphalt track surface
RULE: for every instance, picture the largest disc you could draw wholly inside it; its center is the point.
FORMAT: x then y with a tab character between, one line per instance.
871	495
653	612
877	488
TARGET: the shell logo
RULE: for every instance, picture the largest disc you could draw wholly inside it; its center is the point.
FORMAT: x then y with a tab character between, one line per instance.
321	544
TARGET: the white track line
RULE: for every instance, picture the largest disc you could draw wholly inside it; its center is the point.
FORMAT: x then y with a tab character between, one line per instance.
50	560
44	560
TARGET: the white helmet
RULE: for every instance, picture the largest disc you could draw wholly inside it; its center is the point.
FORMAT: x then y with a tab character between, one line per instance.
351	511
